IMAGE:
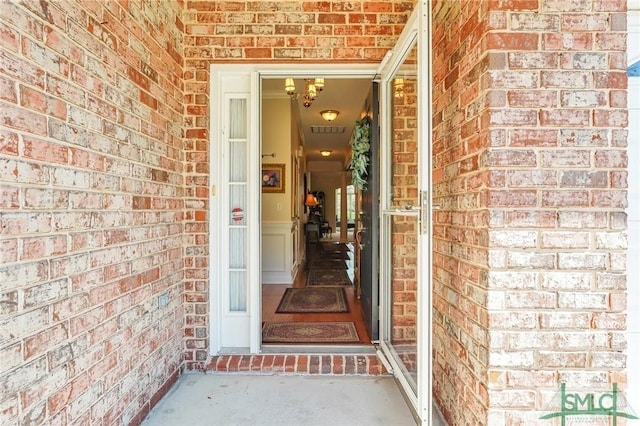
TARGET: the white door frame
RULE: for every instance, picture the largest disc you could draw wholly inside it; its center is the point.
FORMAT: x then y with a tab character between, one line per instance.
251	75
260	71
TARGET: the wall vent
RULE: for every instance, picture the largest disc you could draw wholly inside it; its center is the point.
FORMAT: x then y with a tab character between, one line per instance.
328	129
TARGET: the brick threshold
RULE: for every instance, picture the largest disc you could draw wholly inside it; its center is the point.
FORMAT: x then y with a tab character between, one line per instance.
298	364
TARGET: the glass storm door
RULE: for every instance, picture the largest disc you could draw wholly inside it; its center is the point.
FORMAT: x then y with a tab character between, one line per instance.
405	266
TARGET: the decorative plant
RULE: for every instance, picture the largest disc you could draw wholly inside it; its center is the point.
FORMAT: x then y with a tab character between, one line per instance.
360	152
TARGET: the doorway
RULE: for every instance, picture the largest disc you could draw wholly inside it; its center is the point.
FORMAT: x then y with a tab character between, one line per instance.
236	289
317	157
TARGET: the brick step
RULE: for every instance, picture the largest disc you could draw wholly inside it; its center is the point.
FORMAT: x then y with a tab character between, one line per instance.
303	364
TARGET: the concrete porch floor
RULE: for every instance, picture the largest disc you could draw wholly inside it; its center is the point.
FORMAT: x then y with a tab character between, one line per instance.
265	400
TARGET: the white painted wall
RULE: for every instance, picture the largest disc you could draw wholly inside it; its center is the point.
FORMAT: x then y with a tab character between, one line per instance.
276	139
633	260
279	264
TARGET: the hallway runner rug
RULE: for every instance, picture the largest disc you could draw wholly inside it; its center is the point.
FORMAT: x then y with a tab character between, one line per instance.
328	277
313	300
328	264
340	255
335	247
309	332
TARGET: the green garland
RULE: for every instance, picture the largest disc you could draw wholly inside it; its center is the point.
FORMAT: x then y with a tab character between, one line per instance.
360	151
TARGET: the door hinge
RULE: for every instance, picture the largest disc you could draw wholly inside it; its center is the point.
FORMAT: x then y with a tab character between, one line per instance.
213	190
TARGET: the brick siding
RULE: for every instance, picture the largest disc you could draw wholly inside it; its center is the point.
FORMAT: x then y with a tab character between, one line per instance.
91	209
530	167
104	162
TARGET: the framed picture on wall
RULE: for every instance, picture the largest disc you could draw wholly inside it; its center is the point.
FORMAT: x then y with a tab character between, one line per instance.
273	178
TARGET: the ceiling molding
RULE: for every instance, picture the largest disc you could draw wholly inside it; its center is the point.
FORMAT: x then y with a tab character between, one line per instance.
275	94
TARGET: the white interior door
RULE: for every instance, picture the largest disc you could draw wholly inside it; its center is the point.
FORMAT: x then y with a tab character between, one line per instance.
405	240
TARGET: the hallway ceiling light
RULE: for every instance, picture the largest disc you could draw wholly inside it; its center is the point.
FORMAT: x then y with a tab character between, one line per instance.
325	153
311	89
329	114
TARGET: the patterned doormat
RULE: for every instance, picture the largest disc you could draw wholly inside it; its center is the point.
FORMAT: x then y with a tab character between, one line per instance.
328	277
327	264
313	300
309	332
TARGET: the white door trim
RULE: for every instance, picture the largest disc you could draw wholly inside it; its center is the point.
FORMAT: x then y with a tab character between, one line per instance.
255	73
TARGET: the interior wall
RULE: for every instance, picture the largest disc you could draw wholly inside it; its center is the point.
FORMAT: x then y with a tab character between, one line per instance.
276	139
92	209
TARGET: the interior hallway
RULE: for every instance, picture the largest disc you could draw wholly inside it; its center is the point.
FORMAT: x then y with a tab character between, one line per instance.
272	294
265	400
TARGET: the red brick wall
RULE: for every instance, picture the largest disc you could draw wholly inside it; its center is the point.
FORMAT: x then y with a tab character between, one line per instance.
530	164
104	203
91	209
259	31
461	138
404	230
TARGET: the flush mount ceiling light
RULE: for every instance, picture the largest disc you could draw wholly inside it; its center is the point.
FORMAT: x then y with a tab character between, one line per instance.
329	114
325	153
311	89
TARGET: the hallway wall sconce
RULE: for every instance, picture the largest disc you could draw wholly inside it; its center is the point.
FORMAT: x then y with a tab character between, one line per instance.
312	87
325	153
329	114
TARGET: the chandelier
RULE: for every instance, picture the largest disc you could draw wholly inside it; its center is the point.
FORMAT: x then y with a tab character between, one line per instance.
312	87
